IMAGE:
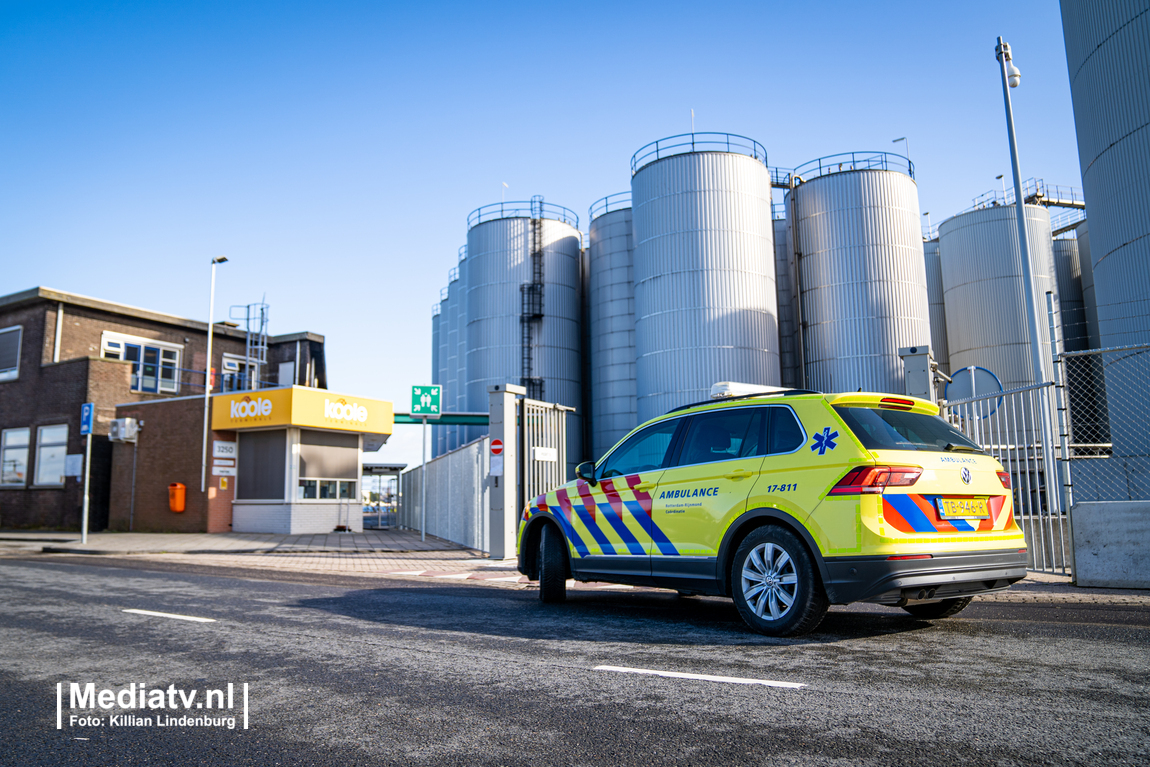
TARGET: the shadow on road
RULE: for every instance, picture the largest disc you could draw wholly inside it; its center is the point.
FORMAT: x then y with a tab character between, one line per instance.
645	617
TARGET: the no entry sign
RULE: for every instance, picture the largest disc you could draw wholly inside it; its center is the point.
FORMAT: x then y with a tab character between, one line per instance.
496	446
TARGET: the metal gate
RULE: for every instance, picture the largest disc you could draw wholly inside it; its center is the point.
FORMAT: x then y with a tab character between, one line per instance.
1017	427
542	446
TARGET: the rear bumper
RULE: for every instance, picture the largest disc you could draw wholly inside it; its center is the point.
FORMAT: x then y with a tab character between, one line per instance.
943	576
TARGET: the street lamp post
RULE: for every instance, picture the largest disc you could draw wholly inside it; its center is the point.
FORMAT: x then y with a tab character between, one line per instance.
208	373
1011	77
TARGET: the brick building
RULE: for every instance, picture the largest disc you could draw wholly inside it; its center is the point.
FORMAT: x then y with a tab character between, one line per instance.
59	350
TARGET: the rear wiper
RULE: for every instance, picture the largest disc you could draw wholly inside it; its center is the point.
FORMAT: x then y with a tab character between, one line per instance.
950	446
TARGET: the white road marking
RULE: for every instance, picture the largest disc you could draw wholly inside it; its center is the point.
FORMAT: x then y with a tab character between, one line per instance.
615	586
507	578
192	618
407	572
702	677
460	576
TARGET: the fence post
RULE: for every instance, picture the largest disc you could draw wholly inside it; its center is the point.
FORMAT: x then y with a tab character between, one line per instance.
1067	494
504	509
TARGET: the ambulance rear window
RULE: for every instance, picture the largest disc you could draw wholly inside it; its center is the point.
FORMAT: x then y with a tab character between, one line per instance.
880	429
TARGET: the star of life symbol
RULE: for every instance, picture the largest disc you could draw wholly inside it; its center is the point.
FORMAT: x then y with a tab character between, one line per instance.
825	441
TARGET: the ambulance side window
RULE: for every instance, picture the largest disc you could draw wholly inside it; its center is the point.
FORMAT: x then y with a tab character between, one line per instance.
721	435
785	433
645	451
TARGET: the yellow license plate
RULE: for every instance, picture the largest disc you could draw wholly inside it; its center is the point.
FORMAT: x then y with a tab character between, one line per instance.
963	508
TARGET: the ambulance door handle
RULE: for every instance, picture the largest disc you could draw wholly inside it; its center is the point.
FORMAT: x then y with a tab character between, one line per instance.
739	474
643	487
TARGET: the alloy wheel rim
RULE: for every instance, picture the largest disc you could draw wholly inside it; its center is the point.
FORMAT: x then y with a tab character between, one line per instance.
770	581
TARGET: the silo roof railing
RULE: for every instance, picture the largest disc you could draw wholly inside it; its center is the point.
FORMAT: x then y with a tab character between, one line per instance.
688	143
609	204
443	294
1035	191
435	310
847	161
522	209
463	251
453	275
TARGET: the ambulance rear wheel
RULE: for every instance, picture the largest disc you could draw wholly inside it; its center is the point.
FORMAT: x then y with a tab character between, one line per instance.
936	610
552	565
774	584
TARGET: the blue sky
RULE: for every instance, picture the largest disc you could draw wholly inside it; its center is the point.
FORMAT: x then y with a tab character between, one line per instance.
333	150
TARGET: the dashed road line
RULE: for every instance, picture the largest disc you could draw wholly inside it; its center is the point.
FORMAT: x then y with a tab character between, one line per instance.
154	614
700	677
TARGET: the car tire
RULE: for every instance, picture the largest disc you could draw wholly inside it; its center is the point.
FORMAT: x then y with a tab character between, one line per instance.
936	610
552	565
772	566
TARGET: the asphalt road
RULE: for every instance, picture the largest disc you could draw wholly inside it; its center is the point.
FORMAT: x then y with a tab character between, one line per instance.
418	673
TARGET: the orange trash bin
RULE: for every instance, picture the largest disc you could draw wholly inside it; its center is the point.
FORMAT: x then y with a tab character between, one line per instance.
177	496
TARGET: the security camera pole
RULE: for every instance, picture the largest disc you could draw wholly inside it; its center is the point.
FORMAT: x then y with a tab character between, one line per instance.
1011	77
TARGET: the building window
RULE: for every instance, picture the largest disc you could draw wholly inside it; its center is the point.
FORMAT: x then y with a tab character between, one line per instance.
155	365
51	449
10	352
14	457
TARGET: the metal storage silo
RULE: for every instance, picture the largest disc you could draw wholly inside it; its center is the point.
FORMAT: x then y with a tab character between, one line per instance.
611	316
986	322
1089	302
435	365
459	396
451	384
440	432
937	308
523	305
1072	310
705	303
1108	57
785	297
861	271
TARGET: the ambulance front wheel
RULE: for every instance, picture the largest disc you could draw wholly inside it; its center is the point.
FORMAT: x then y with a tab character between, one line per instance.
774	584
552	565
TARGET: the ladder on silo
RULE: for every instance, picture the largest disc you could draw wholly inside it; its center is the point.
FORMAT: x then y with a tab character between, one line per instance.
531	305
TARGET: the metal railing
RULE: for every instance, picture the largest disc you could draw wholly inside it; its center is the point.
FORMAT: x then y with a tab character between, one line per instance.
463	251
1016	428
1035	191
609	204
781	177
458	496
522	209
848	161
1066	221
687	143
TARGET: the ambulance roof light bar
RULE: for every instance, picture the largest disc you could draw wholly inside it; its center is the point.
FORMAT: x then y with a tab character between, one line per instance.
726	389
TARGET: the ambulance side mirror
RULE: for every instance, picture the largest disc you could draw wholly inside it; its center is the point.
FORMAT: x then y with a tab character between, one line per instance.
586	472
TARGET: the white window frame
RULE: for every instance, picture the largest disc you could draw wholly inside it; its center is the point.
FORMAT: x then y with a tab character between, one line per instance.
27	454
113	345
40	446
13	374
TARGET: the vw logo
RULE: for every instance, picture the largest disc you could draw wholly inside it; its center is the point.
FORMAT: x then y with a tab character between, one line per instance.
965	476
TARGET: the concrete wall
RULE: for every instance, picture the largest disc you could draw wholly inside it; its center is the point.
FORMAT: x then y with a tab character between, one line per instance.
1112	544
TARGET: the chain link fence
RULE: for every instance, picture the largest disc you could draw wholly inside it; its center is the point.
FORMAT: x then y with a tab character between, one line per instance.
1105	394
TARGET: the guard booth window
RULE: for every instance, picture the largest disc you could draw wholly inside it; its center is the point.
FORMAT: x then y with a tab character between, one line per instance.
328	465
261	466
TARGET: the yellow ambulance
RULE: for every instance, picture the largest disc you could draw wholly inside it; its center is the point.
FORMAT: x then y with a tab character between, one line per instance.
786	502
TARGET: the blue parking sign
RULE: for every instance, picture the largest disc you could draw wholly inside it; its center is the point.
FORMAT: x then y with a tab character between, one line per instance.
86	412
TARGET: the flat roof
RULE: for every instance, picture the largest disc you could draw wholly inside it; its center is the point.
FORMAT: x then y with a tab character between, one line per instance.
59	296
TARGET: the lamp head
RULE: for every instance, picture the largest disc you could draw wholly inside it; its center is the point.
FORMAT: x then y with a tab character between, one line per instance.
220	260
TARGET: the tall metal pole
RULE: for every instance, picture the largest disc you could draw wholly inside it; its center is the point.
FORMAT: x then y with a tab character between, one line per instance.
1002	51
423	487
87	475
208	380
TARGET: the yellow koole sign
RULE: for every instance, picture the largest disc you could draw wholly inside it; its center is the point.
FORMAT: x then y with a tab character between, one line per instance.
301	406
